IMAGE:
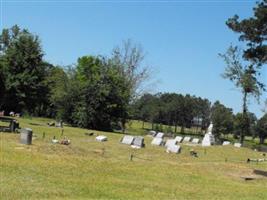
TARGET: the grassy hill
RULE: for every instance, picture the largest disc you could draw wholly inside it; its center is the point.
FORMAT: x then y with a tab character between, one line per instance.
87	169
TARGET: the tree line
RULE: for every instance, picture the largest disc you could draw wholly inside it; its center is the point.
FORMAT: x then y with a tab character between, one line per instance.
103	92
95	93
186	111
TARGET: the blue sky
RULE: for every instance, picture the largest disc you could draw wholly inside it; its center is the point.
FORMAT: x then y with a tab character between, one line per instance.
181	39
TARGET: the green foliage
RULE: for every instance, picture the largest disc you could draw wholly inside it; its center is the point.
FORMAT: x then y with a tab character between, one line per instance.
172	109
23	70
253	31
222	119
261	128
245	77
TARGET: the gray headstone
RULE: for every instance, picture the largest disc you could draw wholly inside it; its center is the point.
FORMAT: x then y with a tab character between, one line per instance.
138	141
127	139
160	135
178	139
157	141
26	136
153	133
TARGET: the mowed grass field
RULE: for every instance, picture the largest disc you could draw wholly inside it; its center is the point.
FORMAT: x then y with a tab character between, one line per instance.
87	169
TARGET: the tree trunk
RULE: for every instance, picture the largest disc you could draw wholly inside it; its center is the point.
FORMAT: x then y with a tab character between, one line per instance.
244	126
123	124
175	128
182	128
143	126
262	140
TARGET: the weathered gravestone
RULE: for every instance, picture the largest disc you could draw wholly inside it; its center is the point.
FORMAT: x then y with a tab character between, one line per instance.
152	133
238	145
160	135
195	141
59	124
187	139
226	143
157	141
178	139
26	136
173	149
127	139
138	142
101	138
170	142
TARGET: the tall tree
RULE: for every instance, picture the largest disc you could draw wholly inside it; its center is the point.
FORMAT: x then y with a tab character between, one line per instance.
261	128
253	31
222	119
21	57
245	77
129	61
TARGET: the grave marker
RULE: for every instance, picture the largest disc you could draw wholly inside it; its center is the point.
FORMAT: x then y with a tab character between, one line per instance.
127	139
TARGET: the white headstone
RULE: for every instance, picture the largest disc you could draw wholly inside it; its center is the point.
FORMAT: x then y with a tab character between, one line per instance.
101	138
173	149
226	143
195	140
187	139
157	141
160	135
208	139
238	145
127	139
170	142
178	139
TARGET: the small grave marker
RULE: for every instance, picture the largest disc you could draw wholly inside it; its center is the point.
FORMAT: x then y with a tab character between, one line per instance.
179	139
157	141
187	139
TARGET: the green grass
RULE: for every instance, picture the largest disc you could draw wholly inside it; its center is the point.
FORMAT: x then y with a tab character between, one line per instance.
87	169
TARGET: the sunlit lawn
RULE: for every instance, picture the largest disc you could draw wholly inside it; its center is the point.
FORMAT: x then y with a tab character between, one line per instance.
87	169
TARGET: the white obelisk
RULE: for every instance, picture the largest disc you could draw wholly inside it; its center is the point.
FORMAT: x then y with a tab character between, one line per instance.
208	139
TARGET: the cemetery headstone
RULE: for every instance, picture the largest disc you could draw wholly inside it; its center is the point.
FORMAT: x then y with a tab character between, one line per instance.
160	135
101	138
208	139
127	139
157	141
152	133
187	139
26	136
238	145
138	142
173	149
59	124
170	142
195	140
226	143
178	139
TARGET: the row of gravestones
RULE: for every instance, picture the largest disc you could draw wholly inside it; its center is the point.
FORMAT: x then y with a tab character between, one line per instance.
134	141
171	144
158	140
